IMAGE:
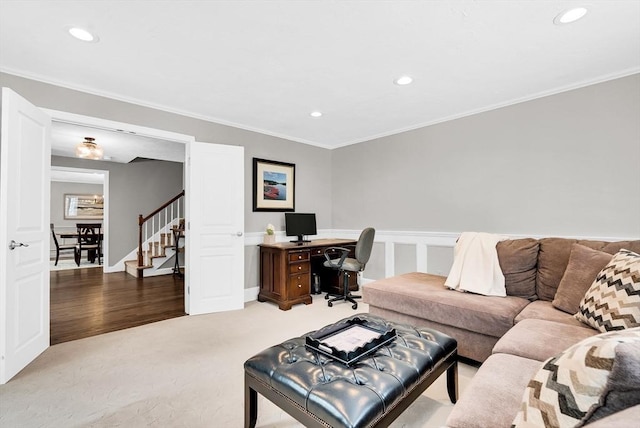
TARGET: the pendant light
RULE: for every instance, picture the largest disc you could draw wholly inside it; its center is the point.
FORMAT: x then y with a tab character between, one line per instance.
88	149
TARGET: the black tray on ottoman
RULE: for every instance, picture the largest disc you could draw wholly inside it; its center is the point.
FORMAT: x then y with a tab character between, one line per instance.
318	390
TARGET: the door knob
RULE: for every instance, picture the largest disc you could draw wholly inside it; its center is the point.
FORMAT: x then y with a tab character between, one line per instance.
13	245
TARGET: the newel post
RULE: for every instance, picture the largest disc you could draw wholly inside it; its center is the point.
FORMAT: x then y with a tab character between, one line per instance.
140	223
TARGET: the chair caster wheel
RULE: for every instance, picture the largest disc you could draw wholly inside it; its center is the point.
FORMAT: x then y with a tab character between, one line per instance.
330	304
326	296
354	306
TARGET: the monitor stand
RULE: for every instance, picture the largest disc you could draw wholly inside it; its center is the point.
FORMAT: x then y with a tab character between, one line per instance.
300	240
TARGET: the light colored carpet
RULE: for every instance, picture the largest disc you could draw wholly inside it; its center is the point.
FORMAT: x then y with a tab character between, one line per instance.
183	372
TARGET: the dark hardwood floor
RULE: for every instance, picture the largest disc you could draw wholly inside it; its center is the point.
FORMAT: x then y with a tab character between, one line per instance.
87	302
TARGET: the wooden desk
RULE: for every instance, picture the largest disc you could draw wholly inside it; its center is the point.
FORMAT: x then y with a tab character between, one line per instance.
286	271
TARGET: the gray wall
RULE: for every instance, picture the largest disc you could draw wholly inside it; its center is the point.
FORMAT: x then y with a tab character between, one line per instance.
567	164
134	188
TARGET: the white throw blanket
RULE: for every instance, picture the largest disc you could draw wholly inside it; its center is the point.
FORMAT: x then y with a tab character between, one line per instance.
475	265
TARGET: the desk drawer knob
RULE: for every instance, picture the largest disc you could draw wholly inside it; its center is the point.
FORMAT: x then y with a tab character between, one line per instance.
299	257
299	285
299	267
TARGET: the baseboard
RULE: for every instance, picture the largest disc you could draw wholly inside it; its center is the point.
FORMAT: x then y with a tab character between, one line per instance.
251	294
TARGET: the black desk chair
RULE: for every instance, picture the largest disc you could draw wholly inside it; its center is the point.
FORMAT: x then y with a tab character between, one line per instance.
63	247
90	240
346	264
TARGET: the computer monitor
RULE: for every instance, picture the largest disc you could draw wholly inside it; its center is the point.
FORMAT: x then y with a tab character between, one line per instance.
300	225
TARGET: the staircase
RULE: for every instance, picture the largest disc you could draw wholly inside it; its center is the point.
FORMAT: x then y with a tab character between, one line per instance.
157	245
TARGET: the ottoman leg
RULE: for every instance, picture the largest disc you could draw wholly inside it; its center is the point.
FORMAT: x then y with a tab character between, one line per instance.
452	382
250	406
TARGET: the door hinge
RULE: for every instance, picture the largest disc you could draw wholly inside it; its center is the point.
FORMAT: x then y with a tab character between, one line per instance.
188	290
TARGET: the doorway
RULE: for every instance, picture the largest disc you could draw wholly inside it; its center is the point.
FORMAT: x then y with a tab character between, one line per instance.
67	181
214	270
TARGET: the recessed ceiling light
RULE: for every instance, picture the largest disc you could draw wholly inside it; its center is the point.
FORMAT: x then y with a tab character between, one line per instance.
570	15
403	80
315	114
82	34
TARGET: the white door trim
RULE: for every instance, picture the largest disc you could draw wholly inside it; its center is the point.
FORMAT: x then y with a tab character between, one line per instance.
95	122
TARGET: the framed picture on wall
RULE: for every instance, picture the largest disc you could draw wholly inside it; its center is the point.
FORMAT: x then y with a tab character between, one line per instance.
273	185
83	207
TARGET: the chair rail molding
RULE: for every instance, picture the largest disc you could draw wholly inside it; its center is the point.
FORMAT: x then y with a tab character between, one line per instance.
392	238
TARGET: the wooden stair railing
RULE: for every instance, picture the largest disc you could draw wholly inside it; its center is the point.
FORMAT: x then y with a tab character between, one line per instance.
144	219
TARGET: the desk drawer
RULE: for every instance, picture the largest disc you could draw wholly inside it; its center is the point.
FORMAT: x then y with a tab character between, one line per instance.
299	285
299	256
299	268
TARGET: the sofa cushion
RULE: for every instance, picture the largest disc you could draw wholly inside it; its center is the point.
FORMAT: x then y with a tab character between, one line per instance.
553	258
613	301
541	339
425	296
571	387
518	259
494	394
543	310
624	418
584	265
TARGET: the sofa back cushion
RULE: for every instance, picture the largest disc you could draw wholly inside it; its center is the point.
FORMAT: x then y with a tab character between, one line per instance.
584	265
518	259
553	259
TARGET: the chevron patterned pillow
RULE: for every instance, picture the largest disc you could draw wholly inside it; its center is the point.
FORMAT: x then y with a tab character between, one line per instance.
613	300
584	383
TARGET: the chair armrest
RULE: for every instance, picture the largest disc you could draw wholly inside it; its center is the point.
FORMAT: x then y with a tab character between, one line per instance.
343	256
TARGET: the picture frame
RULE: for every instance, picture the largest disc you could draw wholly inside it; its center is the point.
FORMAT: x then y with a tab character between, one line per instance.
273	185
83	207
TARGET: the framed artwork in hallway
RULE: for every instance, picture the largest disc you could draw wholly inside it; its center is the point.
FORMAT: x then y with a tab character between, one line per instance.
83	207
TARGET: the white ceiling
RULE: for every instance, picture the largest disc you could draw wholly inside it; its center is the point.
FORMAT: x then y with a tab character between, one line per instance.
119	145
265	65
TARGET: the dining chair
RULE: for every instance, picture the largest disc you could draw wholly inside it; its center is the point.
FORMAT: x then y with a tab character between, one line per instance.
60	247
90	240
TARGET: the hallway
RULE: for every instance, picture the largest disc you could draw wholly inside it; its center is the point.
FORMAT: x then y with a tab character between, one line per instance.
86	302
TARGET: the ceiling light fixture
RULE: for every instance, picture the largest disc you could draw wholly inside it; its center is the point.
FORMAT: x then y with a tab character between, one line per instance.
403	80
82	34
88	149
570	15
315	114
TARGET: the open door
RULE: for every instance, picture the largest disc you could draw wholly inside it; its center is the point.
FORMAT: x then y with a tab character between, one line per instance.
25	162
214	192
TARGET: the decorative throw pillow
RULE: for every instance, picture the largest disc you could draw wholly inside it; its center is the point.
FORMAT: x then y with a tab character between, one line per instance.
613	300
584	383
584	265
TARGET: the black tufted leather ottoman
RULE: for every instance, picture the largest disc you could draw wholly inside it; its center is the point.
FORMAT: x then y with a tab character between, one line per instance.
321	392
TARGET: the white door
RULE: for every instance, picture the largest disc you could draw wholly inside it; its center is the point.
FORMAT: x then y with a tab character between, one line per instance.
214	192
25	162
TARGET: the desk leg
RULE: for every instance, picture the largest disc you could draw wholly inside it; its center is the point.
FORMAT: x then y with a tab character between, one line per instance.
250	407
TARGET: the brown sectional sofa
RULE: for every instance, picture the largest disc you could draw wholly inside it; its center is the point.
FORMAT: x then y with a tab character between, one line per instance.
533	270
510	335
